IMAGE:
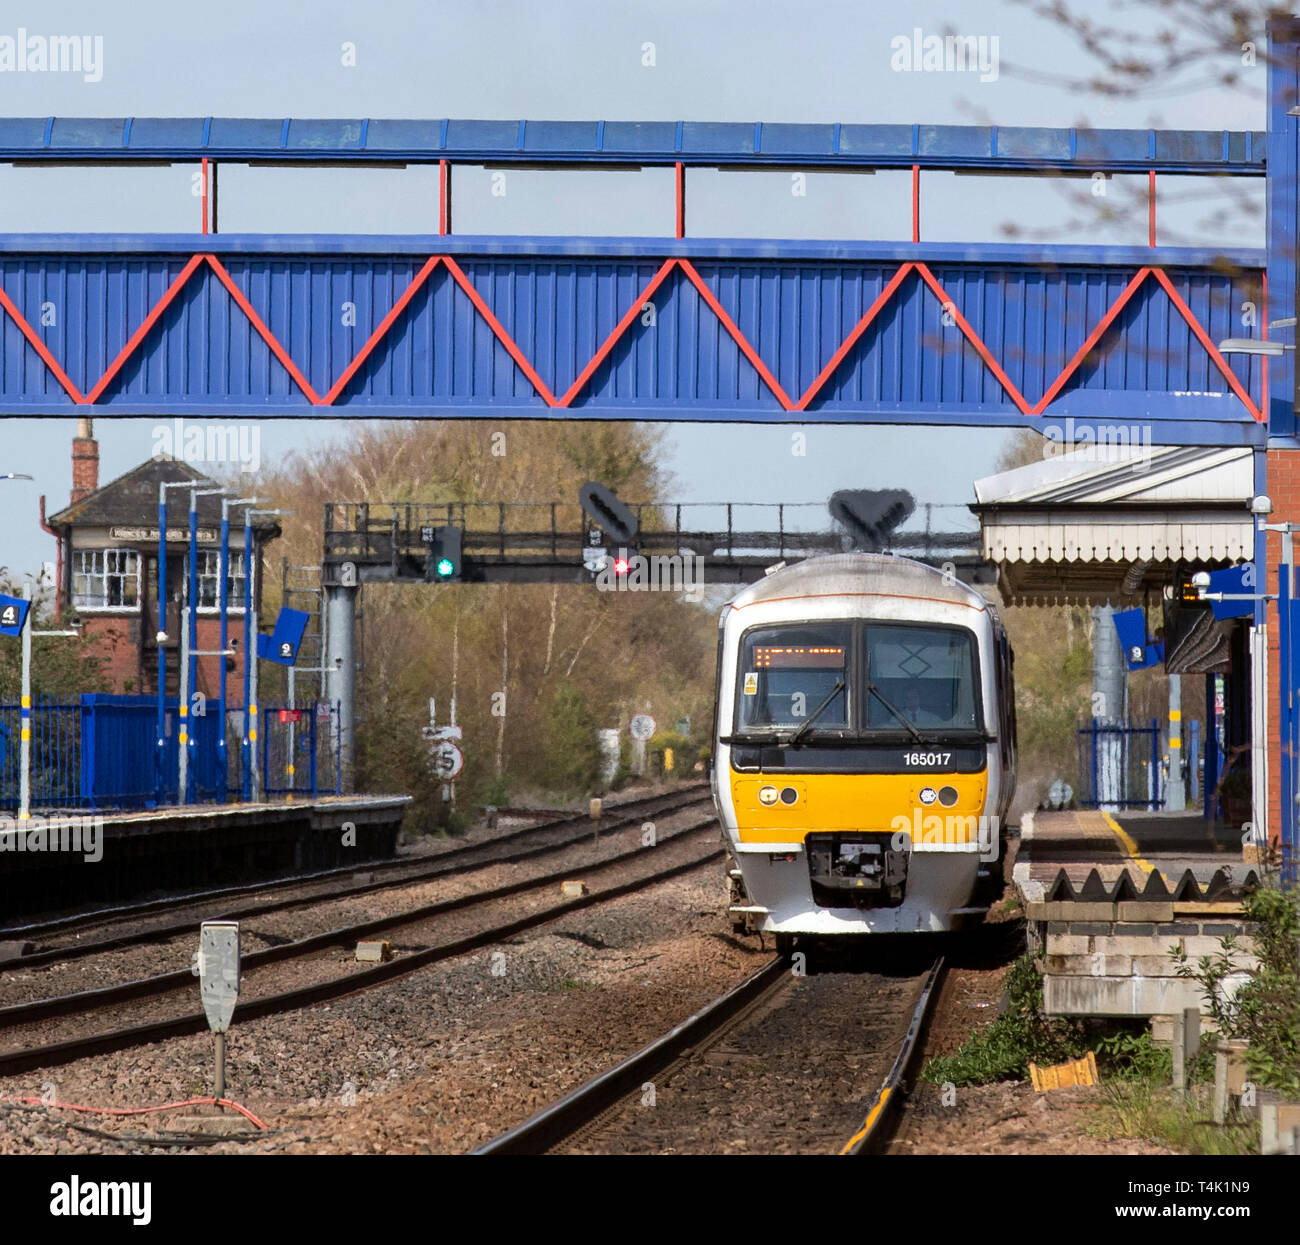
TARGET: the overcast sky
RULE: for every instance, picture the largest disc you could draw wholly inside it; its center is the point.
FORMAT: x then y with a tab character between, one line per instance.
719	60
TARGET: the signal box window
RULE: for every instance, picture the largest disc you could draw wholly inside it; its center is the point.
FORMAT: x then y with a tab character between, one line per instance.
106	579
926	674
788	673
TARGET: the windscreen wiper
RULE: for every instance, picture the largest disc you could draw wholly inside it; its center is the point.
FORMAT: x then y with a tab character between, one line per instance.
815	714
911	730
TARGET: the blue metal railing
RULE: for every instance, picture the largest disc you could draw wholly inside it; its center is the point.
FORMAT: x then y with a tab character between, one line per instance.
97	751
1120	765
300	750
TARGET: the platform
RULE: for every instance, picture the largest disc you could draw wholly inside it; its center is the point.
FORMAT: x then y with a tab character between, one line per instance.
1111	897
88	858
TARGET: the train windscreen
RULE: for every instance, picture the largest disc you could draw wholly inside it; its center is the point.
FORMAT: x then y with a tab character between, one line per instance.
788	674
925	674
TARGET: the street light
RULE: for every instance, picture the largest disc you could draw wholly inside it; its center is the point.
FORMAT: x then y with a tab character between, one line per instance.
1259	346
223	571
25	710
160	767
189	643
251	783
15	475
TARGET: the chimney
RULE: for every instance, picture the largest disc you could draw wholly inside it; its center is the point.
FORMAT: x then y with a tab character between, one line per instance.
85	460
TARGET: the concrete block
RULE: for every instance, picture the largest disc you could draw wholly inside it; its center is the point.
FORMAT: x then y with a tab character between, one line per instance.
1218	929
15	950
1068	944
1153	966
1118	996
1063	911
1123	944
573	890
1179	929
1197	947
1094	965
374	952
1136	910
1092	928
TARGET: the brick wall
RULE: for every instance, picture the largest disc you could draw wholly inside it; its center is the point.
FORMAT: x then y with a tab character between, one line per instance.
116	639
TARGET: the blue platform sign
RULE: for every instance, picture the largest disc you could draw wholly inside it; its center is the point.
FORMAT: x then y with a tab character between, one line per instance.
282	644
13	614
1139	653
1236	581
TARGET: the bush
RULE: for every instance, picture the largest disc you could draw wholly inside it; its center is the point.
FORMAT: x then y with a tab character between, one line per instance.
684	753
1003	1050
1265	1011
572	745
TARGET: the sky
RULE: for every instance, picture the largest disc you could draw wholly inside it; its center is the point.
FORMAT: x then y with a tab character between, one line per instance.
717	60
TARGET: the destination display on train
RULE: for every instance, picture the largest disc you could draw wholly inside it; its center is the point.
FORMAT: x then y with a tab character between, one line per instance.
798	657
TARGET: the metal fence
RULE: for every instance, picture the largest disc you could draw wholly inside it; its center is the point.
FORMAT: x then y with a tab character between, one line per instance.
300	750
1120	765
100	751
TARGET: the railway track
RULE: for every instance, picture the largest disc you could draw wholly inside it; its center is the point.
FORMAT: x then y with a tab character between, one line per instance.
556	835
34	1051
736	1076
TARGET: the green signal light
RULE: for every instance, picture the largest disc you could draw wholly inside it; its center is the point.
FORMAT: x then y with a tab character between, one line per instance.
445	567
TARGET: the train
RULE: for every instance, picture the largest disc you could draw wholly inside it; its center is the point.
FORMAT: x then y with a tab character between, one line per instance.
864	749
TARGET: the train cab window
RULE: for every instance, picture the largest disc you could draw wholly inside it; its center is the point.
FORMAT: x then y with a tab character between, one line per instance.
925	674
787	674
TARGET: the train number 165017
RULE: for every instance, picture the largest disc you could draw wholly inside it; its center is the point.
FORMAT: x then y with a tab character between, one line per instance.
926	758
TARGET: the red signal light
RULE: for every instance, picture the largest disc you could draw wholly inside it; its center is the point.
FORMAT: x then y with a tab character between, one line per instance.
620	566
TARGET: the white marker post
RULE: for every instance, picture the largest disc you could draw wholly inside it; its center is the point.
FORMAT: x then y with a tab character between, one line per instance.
216	964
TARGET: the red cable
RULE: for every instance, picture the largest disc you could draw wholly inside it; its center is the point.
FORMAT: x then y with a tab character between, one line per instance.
167	1106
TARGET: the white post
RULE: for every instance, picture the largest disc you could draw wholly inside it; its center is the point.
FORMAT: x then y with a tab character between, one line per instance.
1259	733
290	767
251	658
183	704
25	716
1175	791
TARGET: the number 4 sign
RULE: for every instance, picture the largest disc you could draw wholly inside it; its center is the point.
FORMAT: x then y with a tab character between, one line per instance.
13	614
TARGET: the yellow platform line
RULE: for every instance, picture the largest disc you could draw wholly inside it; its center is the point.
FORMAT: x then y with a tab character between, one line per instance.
1130	847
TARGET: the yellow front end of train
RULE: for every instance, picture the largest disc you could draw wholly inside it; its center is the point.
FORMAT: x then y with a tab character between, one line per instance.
865	751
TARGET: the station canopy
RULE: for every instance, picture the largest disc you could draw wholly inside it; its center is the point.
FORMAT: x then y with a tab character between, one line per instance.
1105	523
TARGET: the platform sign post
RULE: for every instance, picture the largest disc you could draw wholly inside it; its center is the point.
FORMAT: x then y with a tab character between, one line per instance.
216	964
641	728
446	759
10	624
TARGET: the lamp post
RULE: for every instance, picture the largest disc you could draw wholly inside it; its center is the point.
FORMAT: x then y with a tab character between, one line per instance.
223	571
25	713
252	778
190	656
160	745
1289	710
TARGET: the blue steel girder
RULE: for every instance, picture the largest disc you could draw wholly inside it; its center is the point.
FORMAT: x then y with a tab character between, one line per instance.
925	333
757	143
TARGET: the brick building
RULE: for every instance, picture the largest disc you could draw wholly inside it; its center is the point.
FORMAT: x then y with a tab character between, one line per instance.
108	562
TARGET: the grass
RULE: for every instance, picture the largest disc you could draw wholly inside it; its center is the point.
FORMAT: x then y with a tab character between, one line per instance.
1143	1111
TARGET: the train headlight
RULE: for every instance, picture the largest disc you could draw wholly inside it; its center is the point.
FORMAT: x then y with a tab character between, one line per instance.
947	796
768	795
927	795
